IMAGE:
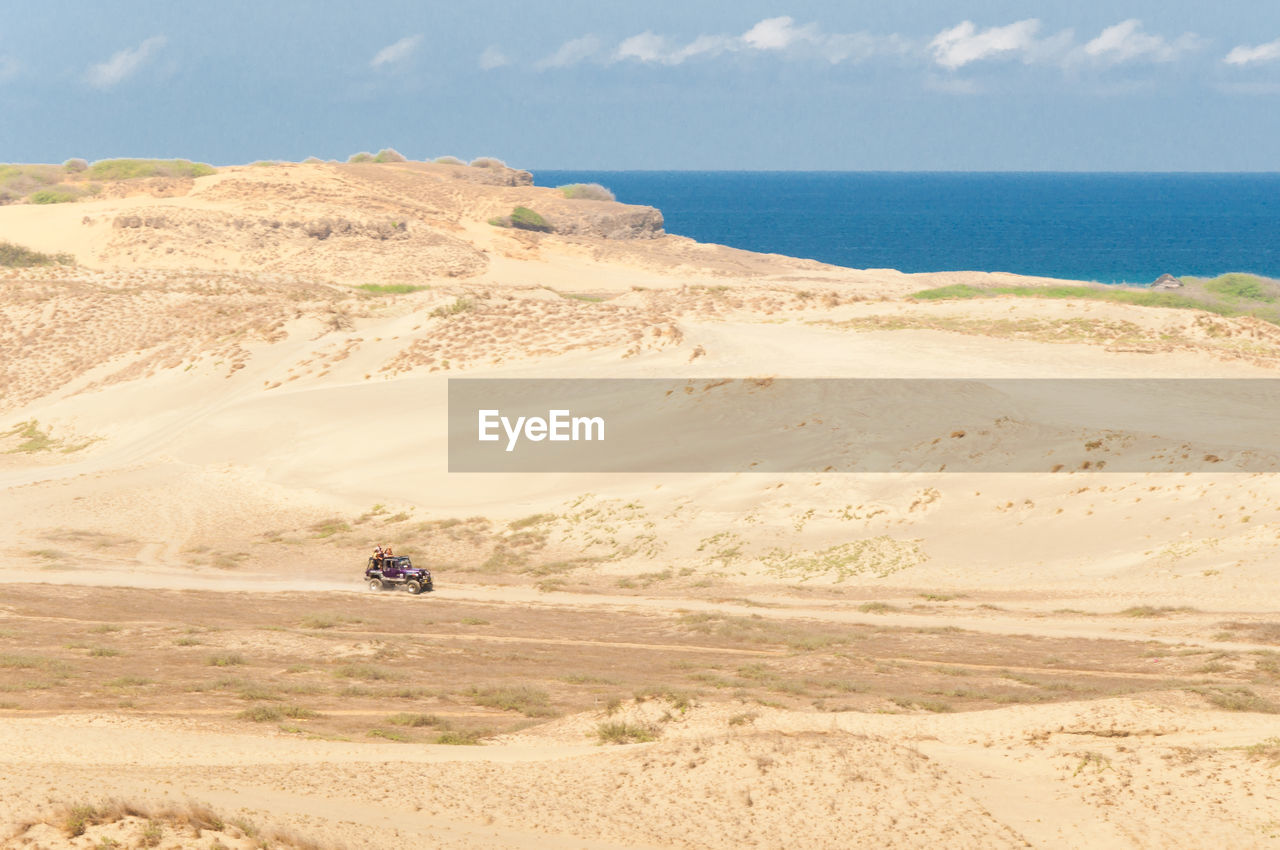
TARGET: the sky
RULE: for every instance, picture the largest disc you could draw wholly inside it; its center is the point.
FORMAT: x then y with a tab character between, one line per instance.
985	85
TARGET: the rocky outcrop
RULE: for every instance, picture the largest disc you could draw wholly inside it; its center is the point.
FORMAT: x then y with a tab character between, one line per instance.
323	228
1167	281
491	175
605	220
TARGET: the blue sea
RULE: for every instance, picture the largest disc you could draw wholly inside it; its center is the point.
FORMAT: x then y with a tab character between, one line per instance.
1112	228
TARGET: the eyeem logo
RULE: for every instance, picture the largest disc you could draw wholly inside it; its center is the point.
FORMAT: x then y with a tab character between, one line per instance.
560	426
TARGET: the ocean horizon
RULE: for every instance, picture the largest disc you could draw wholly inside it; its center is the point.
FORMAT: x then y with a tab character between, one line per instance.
1110	227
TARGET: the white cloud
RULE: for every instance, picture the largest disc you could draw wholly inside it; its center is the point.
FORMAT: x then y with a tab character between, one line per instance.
703	45
656	49
964	43
645	47
9	68
572	52
1244	55
777	34
1126	42
124	64
769	35
949	50
493	57
860	46
394	54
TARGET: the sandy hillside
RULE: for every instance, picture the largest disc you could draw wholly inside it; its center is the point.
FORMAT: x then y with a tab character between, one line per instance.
240	386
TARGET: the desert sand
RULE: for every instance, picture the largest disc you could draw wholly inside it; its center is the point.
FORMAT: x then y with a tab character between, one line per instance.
212	416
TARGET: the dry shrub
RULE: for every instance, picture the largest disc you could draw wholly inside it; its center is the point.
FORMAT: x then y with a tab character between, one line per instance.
586	192
76	818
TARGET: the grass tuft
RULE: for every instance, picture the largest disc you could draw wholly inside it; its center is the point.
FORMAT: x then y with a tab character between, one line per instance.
1147	611
1238	699
416	721
1268	750
17	257
273	713
528	700
459	305
366	672
621	732
388	735
392	288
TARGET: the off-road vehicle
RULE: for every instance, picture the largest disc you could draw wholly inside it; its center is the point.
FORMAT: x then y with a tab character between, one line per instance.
389	573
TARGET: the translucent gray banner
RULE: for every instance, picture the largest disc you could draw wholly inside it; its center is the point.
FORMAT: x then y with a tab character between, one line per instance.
863	425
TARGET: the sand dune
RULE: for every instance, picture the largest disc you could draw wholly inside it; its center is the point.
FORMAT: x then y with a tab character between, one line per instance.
207	423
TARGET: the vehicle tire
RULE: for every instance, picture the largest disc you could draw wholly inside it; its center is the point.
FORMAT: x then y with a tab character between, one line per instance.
413	586
375	584
431	585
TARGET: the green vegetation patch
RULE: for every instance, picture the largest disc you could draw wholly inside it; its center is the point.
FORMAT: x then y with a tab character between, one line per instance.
272	713
52	196
367	672
523	218
529	701
1268	750
415	721
17	257
1246	287
586	192
1238	699
1227	295
1148	611
33	438
620	732
18	180
129	169
459	305
329	527
531	520
392	288
388	735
